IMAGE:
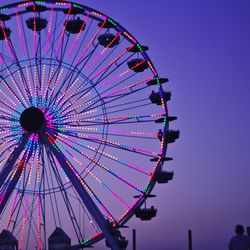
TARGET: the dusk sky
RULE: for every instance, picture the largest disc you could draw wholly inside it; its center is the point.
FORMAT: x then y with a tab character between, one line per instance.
203	47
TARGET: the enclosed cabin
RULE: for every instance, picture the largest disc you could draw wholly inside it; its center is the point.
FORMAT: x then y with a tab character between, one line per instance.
156	98
8	241
170	136
4	31
75	24
36	23
162	176
59	240
146	213
109	39
137	65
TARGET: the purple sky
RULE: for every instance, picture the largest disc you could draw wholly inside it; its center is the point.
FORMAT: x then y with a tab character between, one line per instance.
203	47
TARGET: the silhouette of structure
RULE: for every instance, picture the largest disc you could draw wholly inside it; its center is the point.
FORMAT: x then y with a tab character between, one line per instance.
8	241
80	104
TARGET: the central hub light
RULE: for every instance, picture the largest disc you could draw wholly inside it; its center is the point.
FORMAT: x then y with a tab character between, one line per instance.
32	119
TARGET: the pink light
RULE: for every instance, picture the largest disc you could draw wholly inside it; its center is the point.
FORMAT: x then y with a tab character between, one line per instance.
39	223
21	80
78	35
48	82
1	60
64	28
49	29
102	183
145	151
23	223
122	74
20	32
102	52
12	209
17	88
34	32
28	79
90	43
112	62
128	87
6	40
130	37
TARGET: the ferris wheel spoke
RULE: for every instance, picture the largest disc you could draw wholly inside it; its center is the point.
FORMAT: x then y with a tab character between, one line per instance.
9	135
96	101
5	36
51	162
84	76
50	140
97	58
66	199
131	88
17	61
68	119
11	183
63	32
79	60
11	161
102	166
114	120
136	102
106	73
90	218
8	145
87	137
19	90
78	183
8	118
78	36
113	144
30	221
68	78
87	57
110	52
109	215
70	73
112	97
28	55
7	86
110	64
105	154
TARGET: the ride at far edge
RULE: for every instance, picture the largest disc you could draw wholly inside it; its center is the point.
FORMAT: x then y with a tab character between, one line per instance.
84	127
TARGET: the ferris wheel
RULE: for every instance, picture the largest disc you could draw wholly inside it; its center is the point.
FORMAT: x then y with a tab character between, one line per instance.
84	126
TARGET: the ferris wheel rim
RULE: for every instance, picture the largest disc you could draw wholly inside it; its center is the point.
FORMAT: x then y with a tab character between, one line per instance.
128	36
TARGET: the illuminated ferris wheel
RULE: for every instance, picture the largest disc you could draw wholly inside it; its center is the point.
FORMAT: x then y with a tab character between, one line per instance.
84	127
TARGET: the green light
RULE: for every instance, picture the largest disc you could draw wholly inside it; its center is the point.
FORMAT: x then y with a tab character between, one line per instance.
3	9
146	188
158	82
77	6
139	46
165	120
86	241
111	21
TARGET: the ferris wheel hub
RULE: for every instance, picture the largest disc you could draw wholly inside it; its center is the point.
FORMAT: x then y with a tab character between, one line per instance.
32	119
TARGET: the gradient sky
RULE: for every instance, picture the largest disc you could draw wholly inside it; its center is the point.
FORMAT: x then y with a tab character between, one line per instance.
203	47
